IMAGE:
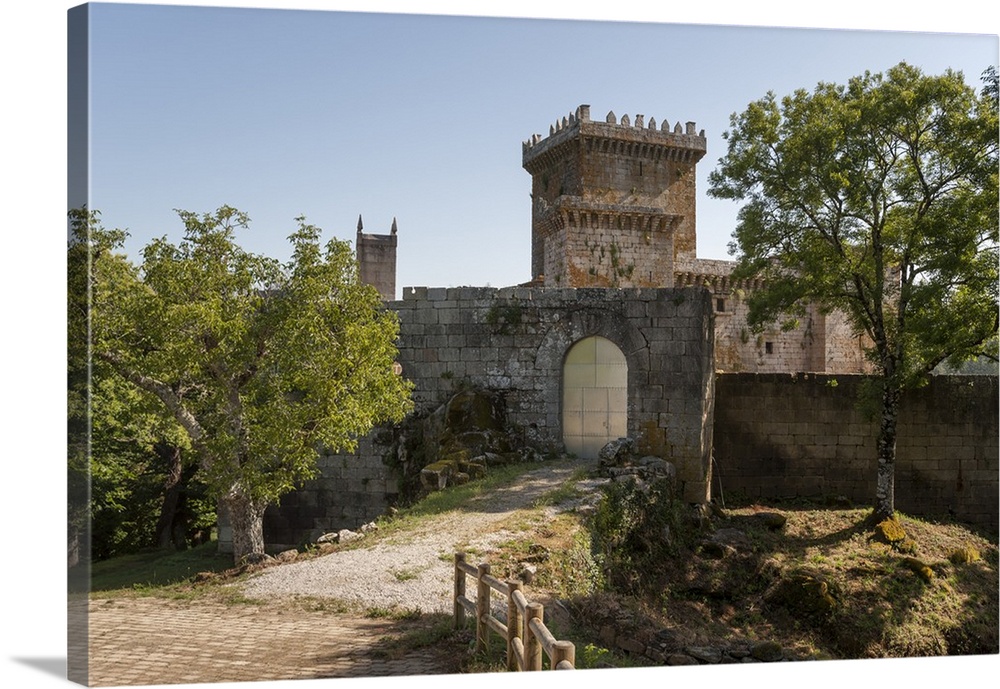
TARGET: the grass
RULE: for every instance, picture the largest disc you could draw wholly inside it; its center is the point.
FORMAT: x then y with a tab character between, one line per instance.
435	630
886	603
153	570
455	498
564	493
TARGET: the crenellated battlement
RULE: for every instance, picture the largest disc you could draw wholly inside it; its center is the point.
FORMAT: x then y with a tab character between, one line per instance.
684	138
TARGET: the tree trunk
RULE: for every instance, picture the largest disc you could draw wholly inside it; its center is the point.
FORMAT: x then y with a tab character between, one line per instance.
885	445
246	517
171	457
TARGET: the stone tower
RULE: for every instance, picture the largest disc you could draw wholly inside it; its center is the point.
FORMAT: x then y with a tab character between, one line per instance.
613	202
377	260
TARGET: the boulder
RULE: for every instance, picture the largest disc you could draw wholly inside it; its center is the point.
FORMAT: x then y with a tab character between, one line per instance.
655	467
767	651
527	572
805	591
346	536
617	453
714	550
773	521
681	659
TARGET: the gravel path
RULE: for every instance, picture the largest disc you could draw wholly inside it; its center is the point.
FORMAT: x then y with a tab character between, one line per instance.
417	573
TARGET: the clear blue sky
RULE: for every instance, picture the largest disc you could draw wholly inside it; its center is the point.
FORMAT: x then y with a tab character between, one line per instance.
336	114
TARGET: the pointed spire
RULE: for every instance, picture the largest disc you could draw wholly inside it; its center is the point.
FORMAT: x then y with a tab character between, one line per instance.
360	226
393	231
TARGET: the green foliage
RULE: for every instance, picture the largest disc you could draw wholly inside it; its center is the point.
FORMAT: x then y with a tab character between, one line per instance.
878	199
259	363
635	526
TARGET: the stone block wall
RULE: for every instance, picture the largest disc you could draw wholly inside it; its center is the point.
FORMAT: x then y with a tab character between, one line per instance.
612	183
376	255
352	489
514	341
821	342
779	435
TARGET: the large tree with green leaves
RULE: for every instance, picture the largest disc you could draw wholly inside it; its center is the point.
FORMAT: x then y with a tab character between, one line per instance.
260	363
878	199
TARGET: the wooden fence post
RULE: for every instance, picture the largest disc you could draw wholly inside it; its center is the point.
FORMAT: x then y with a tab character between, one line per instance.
532	646
482	610
459	590
563	651
514	624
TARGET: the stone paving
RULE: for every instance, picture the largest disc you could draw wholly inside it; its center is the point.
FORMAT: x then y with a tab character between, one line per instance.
138	641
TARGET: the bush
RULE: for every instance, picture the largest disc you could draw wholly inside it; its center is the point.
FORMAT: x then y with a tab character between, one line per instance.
634	527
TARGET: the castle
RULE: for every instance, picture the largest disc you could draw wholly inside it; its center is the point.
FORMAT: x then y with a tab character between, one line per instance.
614	206
623	331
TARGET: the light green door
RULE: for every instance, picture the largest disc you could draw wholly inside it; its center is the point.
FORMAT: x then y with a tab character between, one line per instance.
595	396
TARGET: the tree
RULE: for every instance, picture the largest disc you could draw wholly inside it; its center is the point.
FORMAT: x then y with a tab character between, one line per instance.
130	483
260	363
877	199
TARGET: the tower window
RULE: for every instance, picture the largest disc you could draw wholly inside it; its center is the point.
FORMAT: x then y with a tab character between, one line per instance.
720	305
769	347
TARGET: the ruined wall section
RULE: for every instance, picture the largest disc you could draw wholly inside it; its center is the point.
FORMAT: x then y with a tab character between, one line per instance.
804	435
820	343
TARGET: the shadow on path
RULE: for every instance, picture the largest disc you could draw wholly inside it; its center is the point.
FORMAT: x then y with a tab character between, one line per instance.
136	641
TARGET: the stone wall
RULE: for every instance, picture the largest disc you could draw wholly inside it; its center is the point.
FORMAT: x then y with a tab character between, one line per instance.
514	341
803	435
353	489
376	255
613	202
820	343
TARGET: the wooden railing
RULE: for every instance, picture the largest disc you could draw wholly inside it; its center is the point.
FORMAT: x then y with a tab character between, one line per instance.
525	631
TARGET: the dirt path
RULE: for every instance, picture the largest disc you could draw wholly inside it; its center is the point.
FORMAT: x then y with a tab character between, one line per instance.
413	572
136	641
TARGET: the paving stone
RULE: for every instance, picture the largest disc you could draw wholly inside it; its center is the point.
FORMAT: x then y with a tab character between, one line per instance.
154	641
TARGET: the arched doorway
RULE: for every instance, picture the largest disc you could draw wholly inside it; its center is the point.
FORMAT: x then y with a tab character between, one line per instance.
595	396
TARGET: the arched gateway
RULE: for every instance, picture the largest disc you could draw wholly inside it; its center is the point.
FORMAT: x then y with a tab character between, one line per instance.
595	396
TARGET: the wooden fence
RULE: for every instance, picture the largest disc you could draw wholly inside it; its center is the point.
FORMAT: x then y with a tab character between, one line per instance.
525	631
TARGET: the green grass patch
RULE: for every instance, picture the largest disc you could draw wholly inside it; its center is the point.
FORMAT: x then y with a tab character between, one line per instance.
155	569
453	498
437	630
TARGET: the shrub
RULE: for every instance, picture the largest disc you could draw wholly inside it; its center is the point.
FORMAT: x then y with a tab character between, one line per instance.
635	526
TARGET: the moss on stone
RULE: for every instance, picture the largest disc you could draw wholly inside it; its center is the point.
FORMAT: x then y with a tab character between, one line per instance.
773	521
889	531
767	651
807	592
920	568
963	556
